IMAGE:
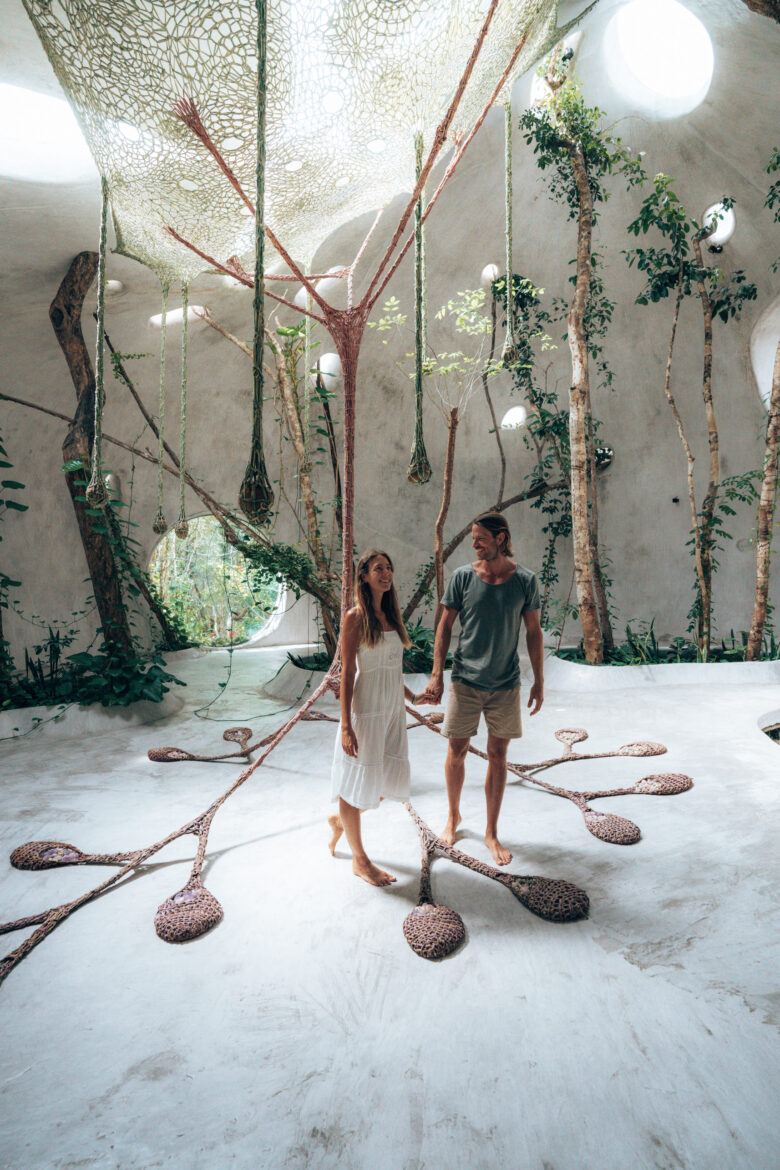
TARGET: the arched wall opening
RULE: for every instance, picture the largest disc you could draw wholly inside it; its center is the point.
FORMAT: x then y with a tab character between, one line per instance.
212	589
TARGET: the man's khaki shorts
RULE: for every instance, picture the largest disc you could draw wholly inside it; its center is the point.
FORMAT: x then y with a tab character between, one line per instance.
465	704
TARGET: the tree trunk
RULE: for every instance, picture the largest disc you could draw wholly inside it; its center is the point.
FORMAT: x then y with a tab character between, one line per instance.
593	531
578	408
438	539
708	507
766	510
689	457
65	316
295	431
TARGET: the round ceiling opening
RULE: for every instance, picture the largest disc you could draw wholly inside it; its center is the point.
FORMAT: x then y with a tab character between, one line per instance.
659	56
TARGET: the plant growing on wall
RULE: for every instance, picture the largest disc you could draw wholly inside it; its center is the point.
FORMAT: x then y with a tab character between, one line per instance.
677	267
9	489
768	493
571	144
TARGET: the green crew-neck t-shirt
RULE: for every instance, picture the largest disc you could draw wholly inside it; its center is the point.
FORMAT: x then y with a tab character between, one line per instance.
490	619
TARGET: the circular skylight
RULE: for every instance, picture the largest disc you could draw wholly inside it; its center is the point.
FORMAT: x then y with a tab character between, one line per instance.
660	56
40	139
727	222
514	418
376	145
295	165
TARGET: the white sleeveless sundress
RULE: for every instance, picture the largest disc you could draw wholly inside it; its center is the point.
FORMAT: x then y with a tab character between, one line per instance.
379	722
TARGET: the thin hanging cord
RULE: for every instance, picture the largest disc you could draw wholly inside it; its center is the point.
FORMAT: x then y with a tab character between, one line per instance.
419	470
307	382
159	526
509	345
181	523
96	494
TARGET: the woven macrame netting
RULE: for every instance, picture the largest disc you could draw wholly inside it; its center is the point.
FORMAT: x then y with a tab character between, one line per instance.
349	84
187	914
433	931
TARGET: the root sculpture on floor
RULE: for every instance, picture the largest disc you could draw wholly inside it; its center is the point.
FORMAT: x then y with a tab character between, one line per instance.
432	931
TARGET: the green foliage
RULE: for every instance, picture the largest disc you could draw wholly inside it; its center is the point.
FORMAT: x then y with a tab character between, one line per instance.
8	503
772	200
564	125
285	563
205	583
734	489
673	263
641	648
105	677
418	658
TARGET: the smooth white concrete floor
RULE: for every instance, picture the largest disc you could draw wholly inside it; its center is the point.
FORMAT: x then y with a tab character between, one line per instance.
303	1031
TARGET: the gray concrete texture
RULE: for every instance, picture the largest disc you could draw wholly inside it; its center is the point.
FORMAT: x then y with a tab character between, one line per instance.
720	147
304	1033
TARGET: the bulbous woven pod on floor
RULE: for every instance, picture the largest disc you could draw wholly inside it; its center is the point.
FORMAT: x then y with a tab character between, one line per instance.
433	931
188	913
664	784
549	898
45	855
608	827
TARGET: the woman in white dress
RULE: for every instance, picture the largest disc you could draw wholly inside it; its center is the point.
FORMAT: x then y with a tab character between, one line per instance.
370	759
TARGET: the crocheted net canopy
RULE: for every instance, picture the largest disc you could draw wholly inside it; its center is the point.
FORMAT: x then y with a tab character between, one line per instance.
349	84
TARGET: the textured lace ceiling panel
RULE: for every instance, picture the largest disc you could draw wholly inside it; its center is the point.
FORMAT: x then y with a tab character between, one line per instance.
349	83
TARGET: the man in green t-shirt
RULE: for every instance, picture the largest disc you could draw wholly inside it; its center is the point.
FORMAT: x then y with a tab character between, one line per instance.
492	597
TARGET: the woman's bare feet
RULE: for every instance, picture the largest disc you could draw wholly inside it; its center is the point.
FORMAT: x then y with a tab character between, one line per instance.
371	873
450	829
501	856
337	829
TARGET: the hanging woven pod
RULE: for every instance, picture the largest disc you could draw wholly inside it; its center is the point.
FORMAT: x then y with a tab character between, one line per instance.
96	494
256	497
510	354
182	527
419	470
159	526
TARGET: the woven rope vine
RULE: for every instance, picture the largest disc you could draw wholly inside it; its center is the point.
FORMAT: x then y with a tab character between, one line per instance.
256	496
419	470
159	526
174	226
182	528
96	494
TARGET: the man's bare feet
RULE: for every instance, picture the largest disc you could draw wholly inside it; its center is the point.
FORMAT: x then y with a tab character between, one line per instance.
501	856
371	873
450	829
337	829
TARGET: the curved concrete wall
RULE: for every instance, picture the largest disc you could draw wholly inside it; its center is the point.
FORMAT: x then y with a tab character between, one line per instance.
721	147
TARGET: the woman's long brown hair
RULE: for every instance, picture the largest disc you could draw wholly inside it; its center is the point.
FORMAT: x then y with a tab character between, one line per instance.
371	631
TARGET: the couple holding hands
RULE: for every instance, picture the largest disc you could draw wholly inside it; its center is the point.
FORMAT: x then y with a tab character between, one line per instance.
491	597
